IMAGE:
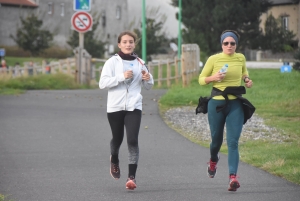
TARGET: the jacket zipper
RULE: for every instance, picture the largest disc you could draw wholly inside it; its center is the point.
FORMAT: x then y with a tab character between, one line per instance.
126	96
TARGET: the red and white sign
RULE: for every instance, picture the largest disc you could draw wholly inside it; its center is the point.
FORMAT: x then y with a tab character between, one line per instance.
82	21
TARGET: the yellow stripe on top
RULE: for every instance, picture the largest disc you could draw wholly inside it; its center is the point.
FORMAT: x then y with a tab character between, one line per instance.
236	70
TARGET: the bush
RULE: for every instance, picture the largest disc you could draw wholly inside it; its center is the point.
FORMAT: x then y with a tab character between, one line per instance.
296	65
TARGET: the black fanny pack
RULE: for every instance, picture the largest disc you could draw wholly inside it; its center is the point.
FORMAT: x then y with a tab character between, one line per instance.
248	108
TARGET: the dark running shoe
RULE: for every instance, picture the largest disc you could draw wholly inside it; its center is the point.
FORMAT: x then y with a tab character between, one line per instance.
115	170
131	183
233	183
212	168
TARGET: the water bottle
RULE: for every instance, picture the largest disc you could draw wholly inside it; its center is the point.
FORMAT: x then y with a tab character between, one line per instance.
128	80
223	70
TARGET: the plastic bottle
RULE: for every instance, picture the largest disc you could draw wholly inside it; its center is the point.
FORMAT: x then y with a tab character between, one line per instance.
223	70
128	80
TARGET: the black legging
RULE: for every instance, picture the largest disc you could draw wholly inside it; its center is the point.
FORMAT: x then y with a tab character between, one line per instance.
131	120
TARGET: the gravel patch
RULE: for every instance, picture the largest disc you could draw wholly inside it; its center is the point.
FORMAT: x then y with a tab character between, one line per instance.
197	127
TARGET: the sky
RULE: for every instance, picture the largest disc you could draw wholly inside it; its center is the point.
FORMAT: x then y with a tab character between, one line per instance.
171	24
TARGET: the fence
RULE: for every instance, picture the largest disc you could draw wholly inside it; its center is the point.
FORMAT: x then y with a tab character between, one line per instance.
66	66
167	71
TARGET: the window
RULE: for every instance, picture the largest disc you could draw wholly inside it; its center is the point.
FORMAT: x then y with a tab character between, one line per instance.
285	22
50	8
118	12
62	6
103	19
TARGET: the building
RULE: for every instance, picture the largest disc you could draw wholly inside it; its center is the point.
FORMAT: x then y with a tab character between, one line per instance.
288	12
56	16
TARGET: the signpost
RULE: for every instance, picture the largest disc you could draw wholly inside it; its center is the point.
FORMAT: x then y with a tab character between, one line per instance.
2	53
81	22
82	5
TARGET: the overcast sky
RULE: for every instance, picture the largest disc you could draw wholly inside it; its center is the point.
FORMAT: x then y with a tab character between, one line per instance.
171	24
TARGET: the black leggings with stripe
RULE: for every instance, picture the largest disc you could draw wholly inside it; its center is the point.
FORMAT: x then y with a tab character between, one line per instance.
130	120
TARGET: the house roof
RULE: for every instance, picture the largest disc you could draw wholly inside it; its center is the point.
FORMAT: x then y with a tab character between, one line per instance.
29	3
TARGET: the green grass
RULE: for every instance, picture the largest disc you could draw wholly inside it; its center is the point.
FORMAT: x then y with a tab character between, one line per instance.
276	97
39	82
4	198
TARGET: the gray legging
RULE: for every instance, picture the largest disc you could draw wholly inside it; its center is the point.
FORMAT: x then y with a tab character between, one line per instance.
131	120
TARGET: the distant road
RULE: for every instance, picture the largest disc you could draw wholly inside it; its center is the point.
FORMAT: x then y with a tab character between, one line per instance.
262	64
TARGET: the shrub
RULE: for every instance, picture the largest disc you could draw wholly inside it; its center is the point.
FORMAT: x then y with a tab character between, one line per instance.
296	65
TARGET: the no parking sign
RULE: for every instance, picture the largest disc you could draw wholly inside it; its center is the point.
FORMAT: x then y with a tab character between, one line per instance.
82	21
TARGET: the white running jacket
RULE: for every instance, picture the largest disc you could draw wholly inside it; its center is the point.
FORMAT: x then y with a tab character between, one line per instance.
121	96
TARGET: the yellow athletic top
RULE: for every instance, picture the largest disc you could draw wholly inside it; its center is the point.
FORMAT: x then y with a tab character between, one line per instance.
236	70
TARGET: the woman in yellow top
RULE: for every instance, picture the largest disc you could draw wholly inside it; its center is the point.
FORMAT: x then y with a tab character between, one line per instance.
232	114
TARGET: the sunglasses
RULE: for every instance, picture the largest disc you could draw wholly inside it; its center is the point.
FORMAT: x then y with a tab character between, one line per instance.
231	43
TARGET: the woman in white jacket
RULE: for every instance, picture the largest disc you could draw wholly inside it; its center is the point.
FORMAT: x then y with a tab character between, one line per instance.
123	75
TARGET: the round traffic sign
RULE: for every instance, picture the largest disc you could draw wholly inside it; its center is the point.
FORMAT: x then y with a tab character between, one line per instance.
82	21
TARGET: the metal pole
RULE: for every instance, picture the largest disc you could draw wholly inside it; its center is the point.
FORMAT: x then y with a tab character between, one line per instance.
144	48
81	47
179	33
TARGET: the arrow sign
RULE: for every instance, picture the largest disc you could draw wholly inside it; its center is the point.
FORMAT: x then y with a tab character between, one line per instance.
82	5
82	21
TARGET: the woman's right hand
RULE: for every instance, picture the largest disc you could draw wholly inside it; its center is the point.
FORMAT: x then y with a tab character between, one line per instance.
219	76
128	74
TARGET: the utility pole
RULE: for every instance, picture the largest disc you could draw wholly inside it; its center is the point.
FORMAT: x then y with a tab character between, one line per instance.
179	35
144	48
179	29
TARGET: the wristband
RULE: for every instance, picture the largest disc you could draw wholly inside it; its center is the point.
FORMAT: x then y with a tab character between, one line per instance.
245	78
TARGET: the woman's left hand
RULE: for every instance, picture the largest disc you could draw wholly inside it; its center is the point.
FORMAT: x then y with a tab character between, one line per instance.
146	76
248	83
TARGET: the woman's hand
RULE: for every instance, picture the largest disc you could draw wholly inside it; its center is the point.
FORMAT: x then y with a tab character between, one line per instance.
248	82
219	76
145	75
128	74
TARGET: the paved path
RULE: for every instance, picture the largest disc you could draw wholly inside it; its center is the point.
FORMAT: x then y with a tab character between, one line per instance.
54	145
265	64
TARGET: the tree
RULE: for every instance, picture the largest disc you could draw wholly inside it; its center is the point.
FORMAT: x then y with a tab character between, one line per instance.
156	40
94	47
205	20
296	64
30	37
276	38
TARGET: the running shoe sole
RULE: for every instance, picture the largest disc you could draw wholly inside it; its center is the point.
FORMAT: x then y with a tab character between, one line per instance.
130	185
233	185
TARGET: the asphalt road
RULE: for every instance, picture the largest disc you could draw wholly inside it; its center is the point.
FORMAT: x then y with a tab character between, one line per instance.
54	145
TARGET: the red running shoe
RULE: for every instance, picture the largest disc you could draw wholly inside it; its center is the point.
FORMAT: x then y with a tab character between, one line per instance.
233	183
212	168
115	170
131	183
